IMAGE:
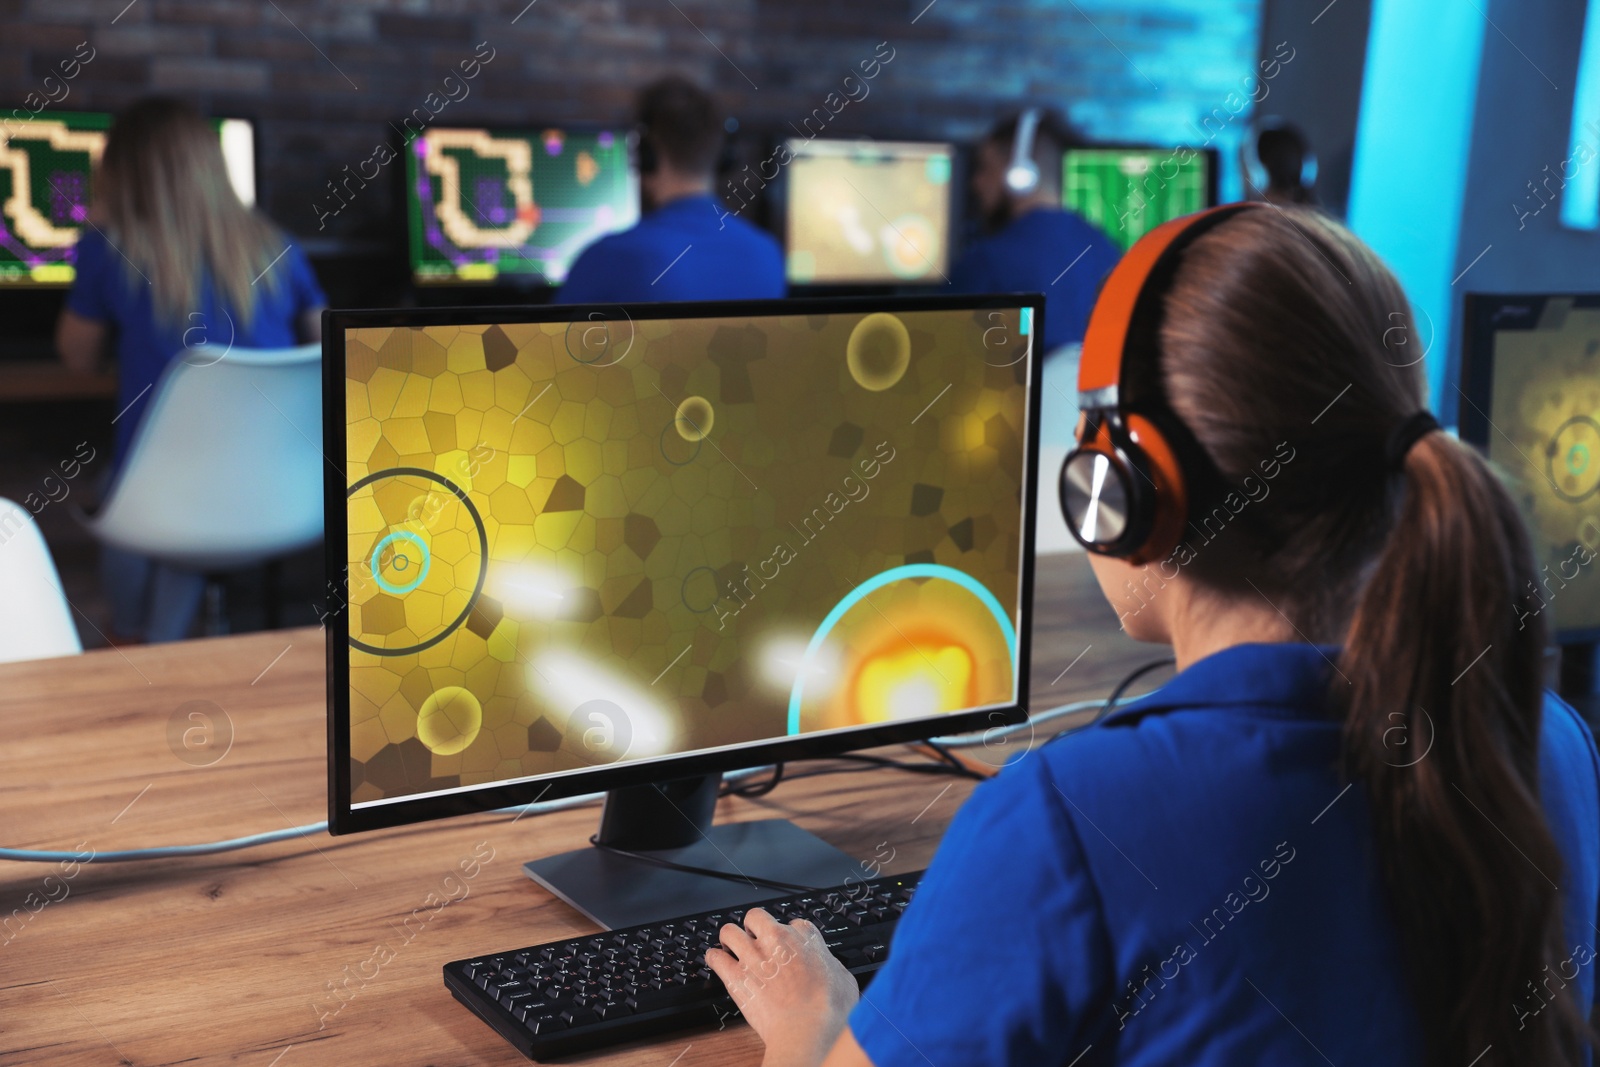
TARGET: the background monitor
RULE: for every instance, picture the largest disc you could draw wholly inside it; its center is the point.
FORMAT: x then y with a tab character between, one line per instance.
868	212
1531	389
581	554
46	172
1127	191
513	205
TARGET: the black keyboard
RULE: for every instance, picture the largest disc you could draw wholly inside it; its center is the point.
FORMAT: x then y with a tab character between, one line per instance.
592	992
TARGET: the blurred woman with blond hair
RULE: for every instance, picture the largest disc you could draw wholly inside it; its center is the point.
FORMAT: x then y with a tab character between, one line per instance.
172	260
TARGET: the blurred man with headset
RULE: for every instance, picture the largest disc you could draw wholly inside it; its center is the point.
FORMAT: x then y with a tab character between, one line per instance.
687	246
1035	245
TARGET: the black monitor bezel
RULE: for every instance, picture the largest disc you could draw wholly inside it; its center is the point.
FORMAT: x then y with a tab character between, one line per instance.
783	202
343	818
509	283
1476	373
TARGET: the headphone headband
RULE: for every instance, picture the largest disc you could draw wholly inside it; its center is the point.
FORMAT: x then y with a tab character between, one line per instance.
1022	175
1127	488
1126	321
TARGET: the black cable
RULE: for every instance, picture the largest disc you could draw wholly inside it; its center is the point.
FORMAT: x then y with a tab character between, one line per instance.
912	768
758	790
957	767
1122	686
1116	695
687	868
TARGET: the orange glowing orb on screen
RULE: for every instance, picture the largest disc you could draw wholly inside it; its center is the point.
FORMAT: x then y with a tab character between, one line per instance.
528	213
913	677
588	169
913	647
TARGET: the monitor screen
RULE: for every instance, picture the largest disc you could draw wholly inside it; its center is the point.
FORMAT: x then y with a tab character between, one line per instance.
1129	191
694	530
46	170
506	205
868	212
1531	382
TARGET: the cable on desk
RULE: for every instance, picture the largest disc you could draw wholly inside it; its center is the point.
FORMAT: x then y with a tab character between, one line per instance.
730	789
938	744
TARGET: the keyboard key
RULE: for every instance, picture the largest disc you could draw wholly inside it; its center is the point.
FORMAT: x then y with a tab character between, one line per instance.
548	1023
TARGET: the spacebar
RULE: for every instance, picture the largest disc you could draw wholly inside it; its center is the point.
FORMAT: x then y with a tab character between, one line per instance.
675	996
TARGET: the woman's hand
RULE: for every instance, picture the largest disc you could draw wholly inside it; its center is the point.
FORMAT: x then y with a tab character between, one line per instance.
787	984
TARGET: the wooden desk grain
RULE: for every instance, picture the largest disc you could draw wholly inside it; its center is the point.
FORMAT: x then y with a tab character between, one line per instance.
39	380
234	959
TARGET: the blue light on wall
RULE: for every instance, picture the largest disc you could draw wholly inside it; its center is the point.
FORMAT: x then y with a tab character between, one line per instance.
1580	201
1412	143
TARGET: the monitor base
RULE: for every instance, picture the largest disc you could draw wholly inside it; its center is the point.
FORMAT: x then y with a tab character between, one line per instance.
616	891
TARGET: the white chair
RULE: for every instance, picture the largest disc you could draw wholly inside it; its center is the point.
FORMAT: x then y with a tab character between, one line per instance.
35	619
225	471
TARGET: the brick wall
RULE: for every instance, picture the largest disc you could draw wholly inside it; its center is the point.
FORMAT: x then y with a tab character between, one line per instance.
324	79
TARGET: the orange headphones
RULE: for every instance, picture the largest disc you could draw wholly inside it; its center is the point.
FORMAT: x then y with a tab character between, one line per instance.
1126	489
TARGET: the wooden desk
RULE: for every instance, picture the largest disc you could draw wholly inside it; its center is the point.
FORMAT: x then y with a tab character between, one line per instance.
31	380
230	958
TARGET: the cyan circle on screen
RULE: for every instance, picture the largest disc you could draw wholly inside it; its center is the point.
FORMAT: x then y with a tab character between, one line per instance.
1578	458
422	572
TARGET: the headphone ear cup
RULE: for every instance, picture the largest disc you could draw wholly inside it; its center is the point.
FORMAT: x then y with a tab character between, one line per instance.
1165	490
1123	492
645	155
1100	491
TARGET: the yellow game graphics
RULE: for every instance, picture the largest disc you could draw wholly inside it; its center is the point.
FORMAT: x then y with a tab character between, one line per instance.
575	543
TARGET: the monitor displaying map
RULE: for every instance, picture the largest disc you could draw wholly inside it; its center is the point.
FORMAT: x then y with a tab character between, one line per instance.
868	212
1128	191
47	165
513	205
1531	398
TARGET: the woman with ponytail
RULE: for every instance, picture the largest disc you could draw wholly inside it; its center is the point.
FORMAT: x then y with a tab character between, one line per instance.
1354	829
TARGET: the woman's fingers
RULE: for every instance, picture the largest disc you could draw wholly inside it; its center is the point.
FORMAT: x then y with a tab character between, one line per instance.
736	941
724	966
760	924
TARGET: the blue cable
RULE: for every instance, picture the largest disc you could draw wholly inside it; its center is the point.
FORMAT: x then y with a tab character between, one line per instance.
28	855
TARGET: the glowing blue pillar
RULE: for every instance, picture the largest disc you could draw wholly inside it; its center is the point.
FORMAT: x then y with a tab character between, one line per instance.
1413	138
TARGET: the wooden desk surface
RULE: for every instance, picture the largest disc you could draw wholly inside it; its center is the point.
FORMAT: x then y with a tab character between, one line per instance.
35	380
231	958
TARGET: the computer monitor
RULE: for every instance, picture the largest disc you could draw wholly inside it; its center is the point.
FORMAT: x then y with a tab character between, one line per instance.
513	206
47	166
868	212
1530	388
1129	190
584	549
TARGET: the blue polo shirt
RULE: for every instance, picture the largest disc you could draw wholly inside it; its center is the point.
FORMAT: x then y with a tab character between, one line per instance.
1054	252
1187	882
689	249
106	291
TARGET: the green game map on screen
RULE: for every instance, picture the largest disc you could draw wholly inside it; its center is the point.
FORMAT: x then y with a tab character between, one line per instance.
482	204
1127	192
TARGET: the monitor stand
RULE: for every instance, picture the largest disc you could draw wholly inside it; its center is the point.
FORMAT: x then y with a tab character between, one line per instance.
672	821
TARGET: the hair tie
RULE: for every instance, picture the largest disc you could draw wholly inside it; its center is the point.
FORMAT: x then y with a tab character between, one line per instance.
1407	433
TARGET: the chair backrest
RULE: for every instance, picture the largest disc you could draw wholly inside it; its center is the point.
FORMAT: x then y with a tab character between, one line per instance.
226	468
35	620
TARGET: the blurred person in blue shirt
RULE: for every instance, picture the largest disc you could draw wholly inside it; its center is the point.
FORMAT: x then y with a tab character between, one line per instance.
687	246
1034	245
171	260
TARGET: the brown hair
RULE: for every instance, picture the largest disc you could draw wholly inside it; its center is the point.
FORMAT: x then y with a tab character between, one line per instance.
682	122
1282	326
163	196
